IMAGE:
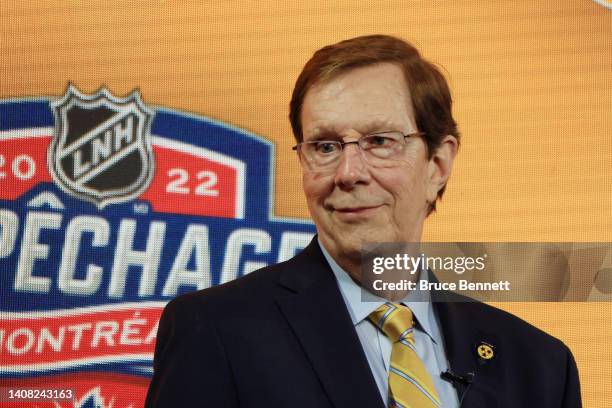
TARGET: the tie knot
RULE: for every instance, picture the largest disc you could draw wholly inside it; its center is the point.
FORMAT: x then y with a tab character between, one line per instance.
394	319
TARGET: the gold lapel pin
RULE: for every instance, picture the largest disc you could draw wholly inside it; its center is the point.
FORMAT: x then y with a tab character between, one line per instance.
485	351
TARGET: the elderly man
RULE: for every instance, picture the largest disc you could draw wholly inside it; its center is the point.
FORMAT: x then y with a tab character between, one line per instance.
376	140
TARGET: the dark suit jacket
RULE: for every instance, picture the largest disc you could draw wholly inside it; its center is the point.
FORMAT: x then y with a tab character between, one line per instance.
282	337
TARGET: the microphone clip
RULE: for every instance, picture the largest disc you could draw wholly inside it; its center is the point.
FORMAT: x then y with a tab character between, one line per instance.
456	379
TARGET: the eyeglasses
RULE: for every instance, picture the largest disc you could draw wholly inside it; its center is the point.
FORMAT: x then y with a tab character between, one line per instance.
383	149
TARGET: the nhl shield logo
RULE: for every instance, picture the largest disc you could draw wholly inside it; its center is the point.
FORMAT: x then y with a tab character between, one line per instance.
101	149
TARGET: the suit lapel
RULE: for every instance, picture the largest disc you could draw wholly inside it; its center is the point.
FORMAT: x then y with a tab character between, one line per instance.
461	339
315	310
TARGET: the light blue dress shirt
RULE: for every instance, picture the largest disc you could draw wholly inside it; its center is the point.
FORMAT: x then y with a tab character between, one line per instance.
377	347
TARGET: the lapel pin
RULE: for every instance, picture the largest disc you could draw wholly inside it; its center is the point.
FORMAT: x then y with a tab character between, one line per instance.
485	351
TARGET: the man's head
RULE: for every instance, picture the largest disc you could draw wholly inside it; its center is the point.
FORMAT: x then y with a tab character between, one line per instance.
370	85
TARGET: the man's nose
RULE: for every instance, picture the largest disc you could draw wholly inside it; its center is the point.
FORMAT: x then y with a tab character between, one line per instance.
352	168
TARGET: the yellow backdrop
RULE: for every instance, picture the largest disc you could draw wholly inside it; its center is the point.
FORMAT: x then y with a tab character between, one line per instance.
532	82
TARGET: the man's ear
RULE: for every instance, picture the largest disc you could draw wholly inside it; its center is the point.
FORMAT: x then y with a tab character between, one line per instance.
440	166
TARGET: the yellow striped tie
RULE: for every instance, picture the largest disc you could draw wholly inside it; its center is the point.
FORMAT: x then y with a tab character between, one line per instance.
410	385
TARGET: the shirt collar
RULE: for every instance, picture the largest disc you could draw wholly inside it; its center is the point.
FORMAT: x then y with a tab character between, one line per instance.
360	307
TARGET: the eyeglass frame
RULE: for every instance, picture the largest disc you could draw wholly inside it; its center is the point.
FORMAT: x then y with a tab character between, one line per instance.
343	143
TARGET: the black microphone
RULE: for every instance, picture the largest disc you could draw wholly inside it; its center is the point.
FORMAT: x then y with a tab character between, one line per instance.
455	379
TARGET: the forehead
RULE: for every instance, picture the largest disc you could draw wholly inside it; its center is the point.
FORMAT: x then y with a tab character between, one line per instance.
365	99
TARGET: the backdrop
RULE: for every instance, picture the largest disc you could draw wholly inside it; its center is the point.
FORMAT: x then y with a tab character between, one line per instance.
532	84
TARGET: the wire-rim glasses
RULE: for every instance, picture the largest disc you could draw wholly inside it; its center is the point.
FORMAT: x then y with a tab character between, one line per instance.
382	149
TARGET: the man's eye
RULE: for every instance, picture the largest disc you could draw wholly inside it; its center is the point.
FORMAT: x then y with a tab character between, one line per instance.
326	147
375	141
379	140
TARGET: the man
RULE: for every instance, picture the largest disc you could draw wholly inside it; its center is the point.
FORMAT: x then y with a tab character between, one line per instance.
376	140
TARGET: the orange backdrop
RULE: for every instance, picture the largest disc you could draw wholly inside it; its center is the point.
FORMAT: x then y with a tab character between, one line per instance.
532	83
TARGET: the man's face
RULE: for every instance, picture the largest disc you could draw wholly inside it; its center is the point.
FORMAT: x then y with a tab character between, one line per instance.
356	202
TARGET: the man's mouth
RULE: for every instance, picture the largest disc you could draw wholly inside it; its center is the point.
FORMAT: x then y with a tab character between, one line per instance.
355	209
356	212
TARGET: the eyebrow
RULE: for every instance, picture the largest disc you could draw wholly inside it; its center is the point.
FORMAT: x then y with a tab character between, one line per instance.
329	133
326	134
379	126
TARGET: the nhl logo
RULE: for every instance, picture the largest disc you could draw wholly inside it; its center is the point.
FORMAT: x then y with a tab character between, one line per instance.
101	149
